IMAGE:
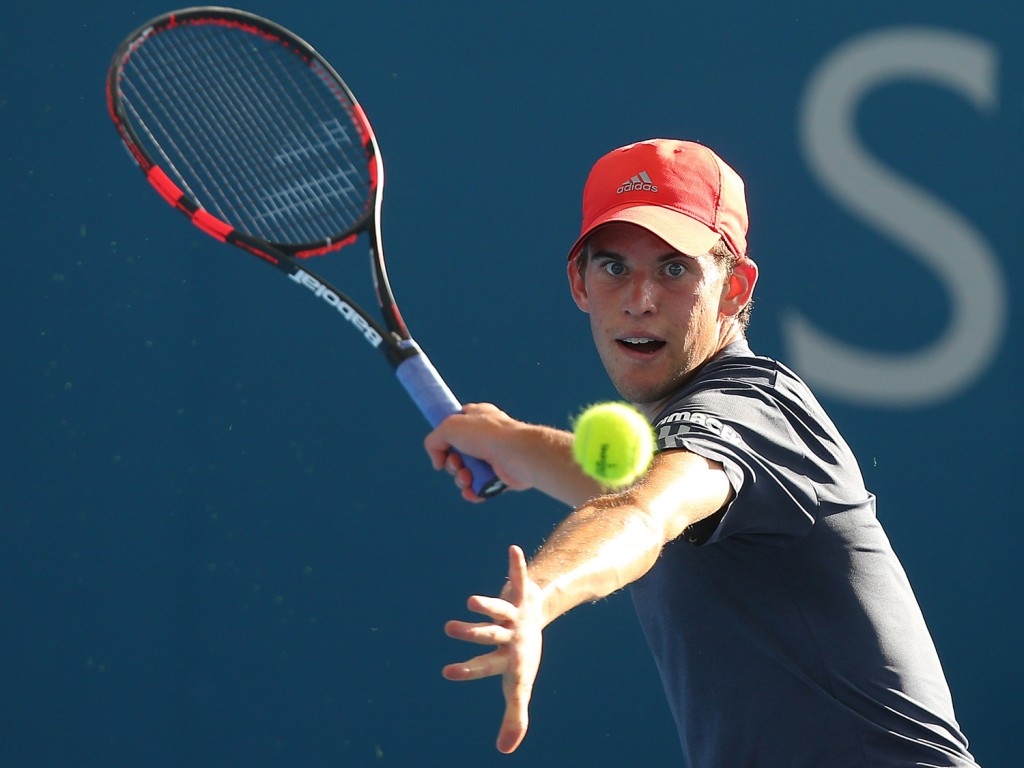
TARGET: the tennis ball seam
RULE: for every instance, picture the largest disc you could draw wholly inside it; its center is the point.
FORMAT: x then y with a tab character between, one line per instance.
613	443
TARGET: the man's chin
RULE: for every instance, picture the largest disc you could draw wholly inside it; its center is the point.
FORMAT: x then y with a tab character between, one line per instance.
648	396
643	397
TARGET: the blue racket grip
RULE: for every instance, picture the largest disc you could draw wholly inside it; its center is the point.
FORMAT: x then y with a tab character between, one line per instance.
436	401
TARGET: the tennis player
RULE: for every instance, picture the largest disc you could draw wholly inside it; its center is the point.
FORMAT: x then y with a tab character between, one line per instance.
784	627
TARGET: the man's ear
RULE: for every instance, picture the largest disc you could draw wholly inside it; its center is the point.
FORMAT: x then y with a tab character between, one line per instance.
578	285
738	288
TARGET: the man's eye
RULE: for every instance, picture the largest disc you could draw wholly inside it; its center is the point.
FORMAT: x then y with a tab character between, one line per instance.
675	269
614	268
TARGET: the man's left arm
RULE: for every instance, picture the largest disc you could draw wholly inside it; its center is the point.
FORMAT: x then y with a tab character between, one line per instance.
604	545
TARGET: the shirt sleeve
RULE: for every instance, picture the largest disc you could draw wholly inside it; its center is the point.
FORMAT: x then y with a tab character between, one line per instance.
763	455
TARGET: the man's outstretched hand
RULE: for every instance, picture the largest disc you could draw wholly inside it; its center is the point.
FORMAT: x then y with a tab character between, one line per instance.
515	626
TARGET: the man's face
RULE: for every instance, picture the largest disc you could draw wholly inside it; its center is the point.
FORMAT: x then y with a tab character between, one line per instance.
655	313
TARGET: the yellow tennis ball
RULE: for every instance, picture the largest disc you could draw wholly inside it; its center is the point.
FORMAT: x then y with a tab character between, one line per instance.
613	443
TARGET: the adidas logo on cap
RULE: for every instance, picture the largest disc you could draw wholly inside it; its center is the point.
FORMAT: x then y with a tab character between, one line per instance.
640	182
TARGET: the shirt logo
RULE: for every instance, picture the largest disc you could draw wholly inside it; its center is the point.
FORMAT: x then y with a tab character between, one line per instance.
675	425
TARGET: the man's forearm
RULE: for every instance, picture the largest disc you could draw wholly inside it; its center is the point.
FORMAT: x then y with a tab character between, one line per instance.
599	549
613	540
552	469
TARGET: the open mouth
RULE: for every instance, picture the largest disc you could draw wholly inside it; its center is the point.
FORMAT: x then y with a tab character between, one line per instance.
641	344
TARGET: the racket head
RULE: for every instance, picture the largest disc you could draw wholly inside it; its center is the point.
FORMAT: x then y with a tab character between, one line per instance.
237	118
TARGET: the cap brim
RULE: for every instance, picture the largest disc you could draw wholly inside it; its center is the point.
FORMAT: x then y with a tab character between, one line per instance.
684	234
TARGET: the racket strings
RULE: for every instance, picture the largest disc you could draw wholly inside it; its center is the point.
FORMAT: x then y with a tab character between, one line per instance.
290	200
248	123
187	128
184	130
250	130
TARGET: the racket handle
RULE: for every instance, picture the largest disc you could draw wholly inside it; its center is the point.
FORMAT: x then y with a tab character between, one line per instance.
436	401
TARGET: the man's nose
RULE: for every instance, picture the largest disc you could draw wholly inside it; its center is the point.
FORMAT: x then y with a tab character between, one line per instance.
640	296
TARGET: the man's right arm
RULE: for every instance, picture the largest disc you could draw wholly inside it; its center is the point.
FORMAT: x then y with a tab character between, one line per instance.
521	454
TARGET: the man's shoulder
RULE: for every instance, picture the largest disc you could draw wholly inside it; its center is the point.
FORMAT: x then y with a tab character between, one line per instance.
738	379
734	364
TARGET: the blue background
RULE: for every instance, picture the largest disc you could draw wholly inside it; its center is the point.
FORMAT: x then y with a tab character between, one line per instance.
220	541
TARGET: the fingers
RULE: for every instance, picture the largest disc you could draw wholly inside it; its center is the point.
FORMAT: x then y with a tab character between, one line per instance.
516	574
453	463
481	634
517	684
513	727
514	627
477	668
463	478
443	457
444	440
517	690
497	609
496	632
437	447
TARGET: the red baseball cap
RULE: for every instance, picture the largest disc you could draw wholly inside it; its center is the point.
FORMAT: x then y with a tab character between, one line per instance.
679	190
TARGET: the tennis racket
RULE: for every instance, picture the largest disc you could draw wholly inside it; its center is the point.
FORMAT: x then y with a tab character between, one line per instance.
250	133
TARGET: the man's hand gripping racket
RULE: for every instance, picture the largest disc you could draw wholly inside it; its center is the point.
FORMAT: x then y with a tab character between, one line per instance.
248	131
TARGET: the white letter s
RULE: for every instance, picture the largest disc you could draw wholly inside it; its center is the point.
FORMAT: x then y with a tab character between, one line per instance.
938	236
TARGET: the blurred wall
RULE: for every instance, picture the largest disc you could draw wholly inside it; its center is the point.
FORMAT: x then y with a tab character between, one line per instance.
220	541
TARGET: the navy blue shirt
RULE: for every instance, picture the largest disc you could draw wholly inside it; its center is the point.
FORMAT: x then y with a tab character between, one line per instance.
784	627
